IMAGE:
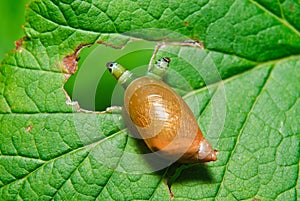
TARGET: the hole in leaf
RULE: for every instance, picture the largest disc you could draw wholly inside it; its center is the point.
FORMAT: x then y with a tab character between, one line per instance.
92	86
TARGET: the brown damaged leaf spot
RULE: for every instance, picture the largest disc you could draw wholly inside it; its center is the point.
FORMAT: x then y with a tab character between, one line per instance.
29	128
71	61
170	190
171	194
101	42
19	44
168	183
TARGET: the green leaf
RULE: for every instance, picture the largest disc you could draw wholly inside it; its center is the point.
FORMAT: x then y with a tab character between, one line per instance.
243	88
14	18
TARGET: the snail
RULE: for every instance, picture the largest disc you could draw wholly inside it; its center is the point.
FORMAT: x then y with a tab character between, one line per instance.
161	117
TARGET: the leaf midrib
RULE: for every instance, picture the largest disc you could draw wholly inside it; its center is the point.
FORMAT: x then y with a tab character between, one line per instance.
249	113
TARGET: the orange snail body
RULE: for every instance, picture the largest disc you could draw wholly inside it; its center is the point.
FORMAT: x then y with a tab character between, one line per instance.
163	119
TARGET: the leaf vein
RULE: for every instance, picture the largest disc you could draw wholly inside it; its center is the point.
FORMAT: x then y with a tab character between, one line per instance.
262	88
113	170
282	21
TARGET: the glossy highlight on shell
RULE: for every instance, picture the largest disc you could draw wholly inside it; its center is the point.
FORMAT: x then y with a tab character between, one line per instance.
161	117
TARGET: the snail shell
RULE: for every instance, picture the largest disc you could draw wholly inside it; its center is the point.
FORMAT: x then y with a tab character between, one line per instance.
165	121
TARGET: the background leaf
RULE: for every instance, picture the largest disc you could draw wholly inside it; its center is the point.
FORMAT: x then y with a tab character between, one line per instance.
249	109
12	16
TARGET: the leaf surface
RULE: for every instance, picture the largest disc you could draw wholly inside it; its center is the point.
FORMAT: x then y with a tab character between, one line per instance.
249	109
